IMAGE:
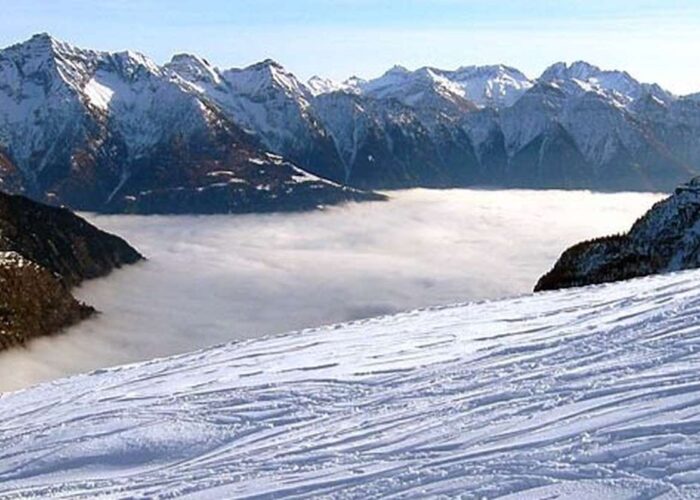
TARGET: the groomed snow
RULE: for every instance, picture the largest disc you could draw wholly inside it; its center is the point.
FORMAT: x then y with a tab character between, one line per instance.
574	394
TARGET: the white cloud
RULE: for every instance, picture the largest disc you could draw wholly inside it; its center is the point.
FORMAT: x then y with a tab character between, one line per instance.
213	279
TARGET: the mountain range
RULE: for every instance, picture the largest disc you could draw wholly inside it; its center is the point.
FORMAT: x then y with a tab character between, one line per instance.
117	132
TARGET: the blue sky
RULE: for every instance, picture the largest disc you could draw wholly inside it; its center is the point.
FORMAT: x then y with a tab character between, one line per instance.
652	39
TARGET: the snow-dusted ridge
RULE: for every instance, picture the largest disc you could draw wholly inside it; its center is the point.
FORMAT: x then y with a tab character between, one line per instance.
116	132
94	129
592	392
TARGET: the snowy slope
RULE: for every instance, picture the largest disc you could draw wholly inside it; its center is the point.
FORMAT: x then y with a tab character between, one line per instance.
618	86
318	85
581	393
116	132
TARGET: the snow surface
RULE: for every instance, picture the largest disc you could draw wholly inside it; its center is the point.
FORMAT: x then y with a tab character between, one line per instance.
13	259
575	394
219	278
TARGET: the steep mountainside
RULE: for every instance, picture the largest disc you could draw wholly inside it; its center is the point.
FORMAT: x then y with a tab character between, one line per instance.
115	132
666	238
43	252
60	241
583	393
270	103
387	144
577	126
33	301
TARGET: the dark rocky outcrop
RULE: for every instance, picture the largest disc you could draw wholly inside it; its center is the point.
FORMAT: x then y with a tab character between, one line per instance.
59	240
44	251
33	301
666	238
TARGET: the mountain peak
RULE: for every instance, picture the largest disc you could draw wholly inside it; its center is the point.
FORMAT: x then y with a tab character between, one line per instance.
53	59
184	58
40	43
44	44
488	69
319	85
42	37
263	75
266	64
620	86
193	68
397	69
130	61
580	70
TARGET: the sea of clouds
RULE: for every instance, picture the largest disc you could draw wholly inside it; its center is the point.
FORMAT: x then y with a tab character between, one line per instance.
214	279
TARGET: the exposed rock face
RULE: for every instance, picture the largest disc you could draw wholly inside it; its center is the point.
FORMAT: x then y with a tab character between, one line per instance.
43	252
666	238
60	241
33	301
10	177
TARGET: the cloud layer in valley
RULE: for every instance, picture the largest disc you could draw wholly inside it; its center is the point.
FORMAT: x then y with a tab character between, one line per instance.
218	278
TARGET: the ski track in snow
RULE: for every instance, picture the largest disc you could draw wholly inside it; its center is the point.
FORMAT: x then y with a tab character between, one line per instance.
580	393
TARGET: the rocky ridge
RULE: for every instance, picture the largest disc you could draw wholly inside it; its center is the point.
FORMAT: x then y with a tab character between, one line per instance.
116	132
665	239
44	252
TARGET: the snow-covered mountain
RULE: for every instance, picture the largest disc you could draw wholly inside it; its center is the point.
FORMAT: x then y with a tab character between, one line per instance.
581	77
424	90
575	126
268	102
105	131
484	86
583	393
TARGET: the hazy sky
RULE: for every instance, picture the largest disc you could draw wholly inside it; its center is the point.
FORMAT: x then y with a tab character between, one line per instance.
655	40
